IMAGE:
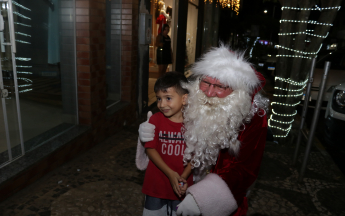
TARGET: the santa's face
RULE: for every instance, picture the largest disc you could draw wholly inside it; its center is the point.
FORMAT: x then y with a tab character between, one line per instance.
212	120
214	88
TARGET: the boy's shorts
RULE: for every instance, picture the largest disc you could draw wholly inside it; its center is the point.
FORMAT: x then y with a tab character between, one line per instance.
159	207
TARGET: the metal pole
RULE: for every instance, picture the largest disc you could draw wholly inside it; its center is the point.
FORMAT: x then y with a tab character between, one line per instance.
14	65
304	112
315	119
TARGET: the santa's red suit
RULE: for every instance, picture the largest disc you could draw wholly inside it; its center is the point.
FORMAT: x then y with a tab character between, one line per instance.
222	192
226	186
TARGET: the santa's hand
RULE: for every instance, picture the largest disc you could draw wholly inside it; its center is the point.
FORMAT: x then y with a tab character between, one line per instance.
147	130
188	207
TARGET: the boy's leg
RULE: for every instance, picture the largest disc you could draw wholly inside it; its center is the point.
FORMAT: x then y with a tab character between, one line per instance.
154	206
172	205
159	207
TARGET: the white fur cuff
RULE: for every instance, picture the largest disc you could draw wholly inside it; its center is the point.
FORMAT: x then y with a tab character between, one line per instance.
141	159
213	196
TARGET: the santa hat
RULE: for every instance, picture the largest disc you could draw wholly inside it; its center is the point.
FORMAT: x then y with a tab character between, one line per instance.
230	68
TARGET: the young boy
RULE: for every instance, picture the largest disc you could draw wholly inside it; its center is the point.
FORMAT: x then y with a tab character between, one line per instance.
165	169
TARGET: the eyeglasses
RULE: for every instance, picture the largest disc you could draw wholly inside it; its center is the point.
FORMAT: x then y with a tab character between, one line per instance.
205	84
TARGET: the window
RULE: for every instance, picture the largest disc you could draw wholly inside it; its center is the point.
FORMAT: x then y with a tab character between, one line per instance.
113	52
45	71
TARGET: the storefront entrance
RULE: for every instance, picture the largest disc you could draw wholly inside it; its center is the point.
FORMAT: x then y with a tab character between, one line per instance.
11	138
166	12
37	74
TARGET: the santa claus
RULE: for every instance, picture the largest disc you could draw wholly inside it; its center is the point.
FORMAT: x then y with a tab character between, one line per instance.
225	132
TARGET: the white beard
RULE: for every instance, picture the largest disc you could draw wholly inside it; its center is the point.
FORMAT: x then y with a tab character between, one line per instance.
211	124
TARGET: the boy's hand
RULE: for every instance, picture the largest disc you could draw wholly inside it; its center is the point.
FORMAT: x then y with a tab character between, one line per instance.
184	186
174	181
147	130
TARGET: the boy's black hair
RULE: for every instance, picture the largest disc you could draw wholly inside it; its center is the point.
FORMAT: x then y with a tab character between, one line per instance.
171	79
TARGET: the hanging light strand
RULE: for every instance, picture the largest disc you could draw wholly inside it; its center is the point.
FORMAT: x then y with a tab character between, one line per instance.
281	122
299	51
292	90
21	15
311	9
298	54
296	33
232	4
22	24
284	104
290	81
307	21
19	5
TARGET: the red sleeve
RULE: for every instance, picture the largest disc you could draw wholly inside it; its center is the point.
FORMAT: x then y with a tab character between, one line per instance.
240	172
153	120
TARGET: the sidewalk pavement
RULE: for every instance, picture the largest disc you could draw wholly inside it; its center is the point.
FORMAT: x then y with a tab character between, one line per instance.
105	181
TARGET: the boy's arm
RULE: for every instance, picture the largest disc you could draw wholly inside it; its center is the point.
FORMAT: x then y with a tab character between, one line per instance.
187	171
171	174
184	176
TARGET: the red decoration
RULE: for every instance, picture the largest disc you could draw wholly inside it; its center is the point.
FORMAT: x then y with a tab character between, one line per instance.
161	20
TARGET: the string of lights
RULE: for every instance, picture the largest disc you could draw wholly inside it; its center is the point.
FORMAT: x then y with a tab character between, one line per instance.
297	54
299	51
19	5
282	136
23	72
284	104
25	79
296	33
251	50
25	90
317	8
23	60
307	21
279	128
282	122
232	4
286	129
296	95
25	85
293	56
25	42
23	66
290	81
18	23
23	34
293	90
285	115
21	15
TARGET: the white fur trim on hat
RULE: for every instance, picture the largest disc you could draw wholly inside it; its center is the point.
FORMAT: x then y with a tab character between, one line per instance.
229	67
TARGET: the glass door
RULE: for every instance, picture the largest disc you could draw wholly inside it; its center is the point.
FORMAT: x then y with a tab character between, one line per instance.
11	138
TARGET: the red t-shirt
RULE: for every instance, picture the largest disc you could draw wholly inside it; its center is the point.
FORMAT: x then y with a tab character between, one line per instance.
170	145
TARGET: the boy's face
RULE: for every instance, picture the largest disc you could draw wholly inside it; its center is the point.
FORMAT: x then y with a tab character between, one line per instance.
170	102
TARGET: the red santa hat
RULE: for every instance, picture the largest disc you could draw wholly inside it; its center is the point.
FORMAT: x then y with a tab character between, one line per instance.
230	68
